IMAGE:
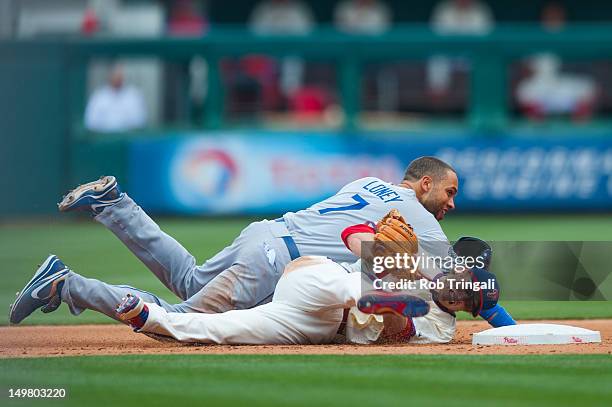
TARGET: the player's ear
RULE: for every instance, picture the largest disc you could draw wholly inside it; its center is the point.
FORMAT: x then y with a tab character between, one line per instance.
426	183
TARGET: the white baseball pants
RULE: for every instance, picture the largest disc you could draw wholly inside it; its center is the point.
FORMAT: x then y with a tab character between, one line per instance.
307	308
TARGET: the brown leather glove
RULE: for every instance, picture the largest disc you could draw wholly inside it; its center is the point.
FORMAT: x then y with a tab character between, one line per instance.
393	236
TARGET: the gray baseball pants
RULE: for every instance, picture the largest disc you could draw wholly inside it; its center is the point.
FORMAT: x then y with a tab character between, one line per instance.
241	276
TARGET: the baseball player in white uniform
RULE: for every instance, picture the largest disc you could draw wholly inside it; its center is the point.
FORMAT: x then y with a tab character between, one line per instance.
244	274
308	308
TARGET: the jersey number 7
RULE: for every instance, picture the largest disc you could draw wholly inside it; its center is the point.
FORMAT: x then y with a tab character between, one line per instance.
360	204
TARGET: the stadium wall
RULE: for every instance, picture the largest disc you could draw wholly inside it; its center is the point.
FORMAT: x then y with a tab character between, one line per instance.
259	173
33	127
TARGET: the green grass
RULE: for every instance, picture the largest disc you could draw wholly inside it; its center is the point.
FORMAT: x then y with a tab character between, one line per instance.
226	380
271	380
91	250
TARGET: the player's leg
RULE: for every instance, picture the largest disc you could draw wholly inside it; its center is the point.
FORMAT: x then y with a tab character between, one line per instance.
240	286
54	283
258	262
81	293
171	263
271	323
240	276
307	308
245	263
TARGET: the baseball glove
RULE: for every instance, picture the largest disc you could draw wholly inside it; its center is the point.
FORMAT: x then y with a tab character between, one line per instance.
395	236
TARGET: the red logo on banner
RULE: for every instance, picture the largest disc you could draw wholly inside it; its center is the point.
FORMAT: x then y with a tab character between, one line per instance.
306	174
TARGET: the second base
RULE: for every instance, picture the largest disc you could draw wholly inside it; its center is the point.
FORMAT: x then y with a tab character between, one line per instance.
536	334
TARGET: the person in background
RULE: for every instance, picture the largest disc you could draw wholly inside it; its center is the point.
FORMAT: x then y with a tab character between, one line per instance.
187	19
309	104
115	107
553	17
281	17
462	17
455	17
90	24
371	17
548	91
362	16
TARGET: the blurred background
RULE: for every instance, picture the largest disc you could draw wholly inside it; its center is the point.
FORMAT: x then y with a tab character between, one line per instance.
207	107
213	113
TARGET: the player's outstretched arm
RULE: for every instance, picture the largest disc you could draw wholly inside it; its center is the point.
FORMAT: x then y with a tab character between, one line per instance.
354	242
497	316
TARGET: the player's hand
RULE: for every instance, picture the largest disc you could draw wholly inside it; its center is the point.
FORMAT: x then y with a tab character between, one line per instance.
393	214
395	236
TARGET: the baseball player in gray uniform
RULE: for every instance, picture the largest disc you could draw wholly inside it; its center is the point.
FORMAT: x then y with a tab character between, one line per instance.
244	274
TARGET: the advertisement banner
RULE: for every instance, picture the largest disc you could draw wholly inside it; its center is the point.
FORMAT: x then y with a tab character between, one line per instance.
255	173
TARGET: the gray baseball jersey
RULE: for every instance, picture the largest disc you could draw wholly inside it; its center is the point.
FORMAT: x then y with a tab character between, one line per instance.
316	230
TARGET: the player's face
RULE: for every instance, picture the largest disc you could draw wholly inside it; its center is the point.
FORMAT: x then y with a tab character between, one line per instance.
452	297
441	196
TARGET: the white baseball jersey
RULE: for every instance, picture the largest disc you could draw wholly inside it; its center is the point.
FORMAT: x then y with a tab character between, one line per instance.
316	230
437	326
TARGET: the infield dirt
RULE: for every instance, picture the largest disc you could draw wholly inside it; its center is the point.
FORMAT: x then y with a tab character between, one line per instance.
78	340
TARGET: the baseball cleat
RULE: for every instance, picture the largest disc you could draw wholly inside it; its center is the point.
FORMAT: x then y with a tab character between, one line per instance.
42	291
133	310
93	196
380	302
